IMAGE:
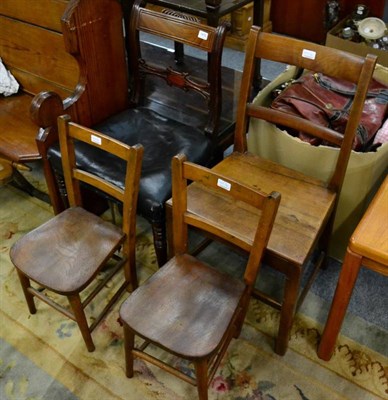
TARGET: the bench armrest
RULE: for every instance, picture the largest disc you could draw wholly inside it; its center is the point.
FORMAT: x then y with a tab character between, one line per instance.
45	108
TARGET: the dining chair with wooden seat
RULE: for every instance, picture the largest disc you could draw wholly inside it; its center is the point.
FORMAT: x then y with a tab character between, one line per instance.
76	253
188	308
305	218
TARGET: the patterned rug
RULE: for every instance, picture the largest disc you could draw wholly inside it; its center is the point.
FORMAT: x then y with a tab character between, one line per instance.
42	356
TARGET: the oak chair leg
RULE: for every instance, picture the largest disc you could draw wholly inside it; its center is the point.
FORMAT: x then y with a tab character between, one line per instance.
324	242
25	282
79	314
241	316
291	290
130	275
201	370
129	343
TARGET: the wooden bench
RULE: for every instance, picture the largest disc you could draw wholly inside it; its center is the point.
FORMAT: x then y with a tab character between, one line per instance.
41	43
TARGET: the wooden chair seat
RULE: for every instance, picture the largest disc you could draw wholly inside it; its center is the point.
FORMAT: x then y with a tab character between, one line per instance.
79	244
306	202
204	297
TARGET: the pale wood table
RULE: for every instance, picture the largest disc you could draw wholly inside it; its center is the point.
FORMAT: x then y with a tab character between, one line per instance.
367	247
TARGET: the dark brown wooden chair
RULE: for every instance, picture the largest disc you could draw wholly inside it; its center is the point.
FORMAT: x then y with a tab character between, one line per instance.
187	307
305	218
163	131
66	254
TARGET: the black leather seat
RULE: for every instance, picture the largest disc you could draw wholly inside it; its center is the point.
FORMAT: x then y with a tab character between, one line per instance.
161	137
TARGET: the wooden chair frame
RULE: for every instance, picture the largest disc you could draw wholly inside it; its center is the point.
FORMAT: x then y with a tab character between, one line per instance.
264	208
119	244
298	237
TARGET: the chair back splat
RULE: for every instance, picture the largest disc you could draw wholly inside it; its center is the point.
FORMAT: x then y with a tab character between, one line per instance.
76	253
188	308
305	218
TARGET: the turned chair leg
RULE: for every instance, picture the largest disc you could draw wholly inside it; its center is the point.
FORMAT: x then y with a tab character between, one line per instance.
201	371
129	344
80	318
160	242
25	282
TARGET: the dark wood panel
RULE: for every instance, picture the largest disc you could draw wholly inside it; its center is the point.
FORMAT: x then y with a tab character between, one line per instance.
303	19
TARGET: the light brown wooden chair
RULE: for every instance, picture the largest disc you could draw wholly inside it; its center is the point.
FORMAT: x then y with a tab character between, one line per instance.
66	254
305	218
187	307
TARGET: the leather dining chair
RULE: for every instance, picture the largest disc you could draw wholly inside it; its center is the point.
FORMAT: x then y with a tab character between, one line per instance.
188	308
76	253
163	131
304	222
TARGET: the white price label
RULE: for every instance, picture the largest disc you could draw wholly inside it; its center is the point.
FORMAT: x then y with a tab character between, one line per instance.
223	184
309	54
203	35
95	139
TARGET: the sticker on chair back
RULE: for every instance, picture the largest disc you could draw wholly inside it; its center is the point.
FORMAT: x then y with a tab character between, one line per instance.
203	35
95	139
224	185
309	54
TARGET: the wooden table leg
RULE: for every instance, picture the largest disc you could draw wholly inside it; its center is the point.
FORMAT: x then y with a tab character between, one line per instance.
6	171
343	292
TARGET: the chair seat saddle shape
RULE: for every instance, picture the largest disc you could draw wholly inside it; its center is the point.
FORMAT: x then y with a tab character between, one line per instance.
189	308
76	249
304	221
162	135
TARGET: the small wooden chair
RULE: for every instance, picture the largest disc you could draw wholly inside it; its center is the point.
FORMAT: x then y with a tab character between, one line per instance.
187	307
305	218
65	254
